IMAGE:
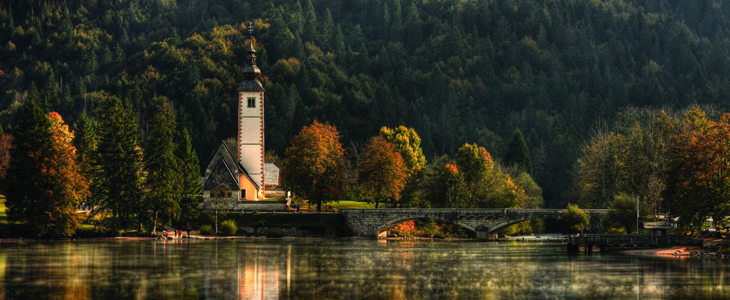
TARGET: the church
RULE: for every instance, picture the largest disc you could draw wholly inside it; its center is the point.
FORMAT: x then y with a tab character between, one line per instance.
237	179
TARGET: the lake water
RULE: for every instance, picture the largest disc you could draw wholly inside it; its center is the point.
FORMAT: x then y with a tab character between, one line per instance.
333	269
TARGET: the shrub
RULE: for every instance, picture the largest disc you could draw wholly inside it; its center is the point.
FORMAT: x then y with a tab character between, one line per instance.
206	229
614	230
405	229
621	213
574	219
228	227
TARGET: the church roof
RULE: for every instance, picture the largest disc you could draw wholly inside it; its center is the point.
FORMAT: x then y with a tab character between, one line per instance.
240	167
221	177
224	167
251	85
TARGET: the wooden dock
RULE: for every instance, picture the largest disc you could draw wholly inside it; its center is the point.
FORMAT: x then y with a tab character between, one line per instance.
614	242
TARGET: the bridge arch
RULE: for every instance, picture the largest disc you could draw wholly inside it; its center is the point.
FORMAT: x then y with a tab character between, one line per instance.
485	222
389	224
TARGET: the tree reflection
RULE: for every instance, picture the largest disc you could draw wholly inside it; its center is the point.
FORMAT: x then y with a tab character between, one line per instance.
329	269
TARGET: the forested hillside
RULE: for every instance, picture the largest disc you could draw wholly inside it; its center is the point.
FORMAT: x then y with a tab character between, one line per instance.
455	70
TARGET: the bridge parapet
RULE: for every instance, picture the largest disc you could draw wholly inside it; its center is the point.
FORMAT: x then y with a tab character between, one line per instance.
369	222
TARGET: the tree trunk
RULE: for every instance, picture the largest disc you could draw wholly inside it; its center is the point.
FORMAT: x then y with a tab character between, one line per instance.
154	224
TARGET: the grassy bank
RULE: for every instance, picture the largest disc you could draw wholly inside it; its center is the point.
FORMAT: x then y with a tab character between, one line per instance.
337	205
3	210
285	219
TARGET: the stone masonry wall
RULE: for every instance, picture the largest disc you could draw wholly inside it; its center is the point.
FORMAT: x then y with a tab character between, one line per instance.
368	222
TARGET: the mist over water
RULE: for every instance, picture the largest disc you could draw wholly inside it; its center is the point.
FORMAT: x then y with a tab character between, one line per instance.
333	269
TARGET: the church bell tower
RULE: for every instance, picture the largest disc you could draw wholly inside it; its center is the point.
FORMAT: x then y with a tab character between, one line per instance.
251	119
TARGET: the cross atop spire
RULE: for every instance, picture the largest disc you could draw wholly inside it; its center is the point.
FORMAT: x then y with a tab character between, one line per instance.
251	71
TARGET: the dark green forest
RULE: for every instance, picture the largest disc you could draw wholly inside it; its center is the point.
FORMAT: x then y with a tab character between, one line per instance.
457	71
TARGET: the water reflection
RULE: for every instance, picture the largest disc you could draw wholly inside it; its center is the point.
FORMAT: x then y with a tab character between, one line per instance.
328	269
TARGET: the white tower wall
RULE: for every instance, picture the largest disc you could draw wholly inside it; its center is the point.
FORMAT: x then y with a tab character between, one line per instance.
251	134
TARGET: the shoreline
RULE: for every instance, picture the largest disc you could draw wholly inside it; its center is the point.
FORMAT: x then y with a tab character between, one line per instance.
676	251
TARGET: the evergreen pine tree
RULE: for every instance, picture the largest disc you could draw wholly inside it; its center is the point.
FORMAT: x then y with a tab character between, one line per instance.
311	32
191	189
118	188
86	145
11	23
326	29
25	189
518	154
163	179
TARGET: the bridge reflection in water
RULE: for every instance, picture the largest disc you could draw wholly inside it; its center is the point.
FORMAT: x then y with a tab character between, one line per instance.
485	222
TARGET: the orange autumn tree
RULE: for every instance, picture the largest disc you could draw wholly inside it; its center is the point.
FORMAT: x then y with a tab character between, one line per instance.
408	143
71	186
315	164
698	184
382	173
43	180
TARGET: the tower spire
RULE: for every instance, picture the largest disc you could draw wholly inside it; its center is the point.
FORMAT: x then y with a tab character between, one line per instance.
250	135
251	71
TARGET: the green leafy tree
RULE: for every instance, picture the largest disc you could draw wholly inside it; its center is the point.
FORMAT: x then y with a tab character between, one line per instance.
118	186
533	191
164	178
477	169
408	143
621	216
444	184
574	219
315	167
486	184
601	170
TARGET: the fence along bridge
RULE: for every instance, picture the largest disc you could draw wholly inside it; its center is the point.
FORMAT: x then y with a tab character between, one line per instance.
485	222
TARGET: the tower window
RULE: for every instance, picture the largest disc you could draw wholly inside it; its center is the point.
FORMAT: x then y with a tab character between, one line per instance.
243	194
251	102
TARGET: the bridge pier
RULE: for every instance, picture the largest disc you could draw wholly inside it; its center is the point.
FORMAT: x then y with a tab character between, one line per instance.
487	235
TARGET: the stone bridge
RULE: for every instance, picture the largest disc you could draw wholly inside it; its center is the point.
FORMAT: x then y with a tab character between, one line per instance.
485	222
